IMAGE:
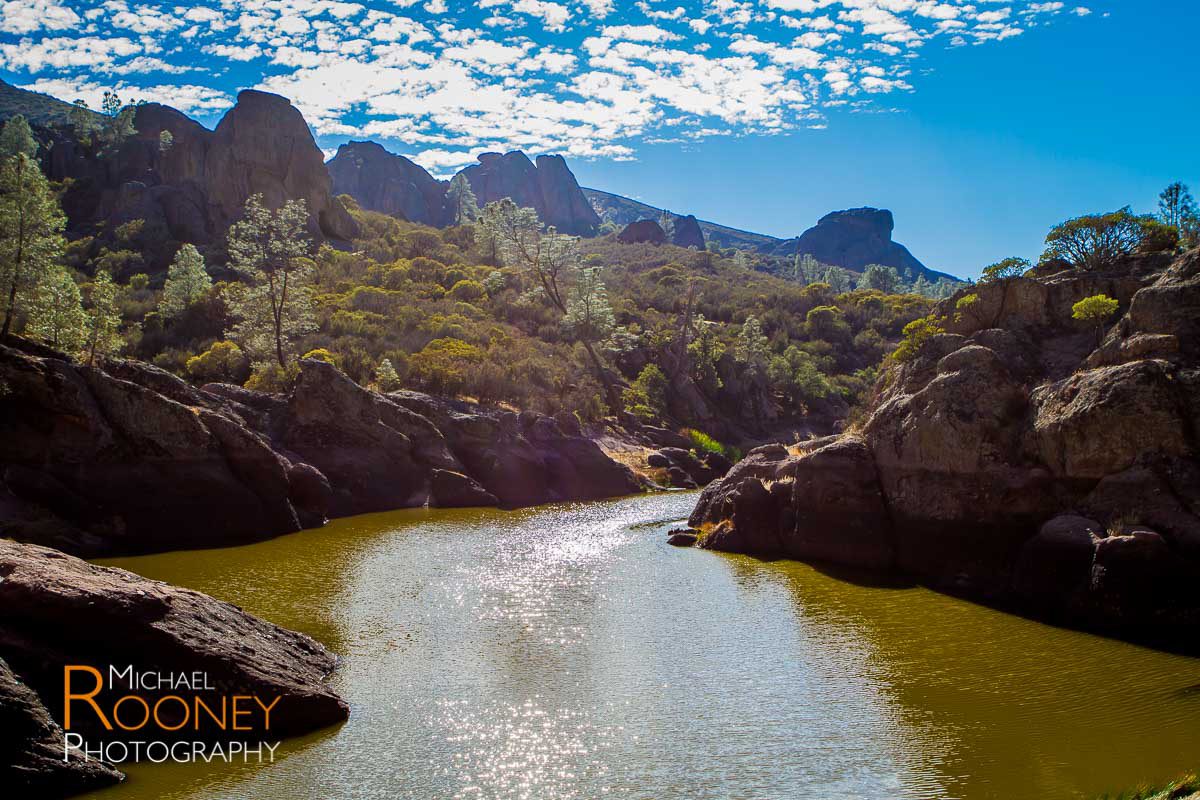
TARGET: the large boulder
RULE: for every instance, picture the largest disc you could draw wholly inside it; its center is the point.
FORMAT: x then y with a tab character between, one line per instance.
686	232
548	187
389	183
644	231
57	610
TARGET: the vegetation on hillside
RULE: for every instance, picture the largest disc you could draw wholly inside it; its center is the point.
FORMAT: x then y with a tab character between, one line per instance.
497	309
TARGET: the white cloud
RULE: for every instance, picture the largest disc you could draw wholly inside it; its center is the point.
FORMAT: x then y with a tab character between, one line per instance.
28	16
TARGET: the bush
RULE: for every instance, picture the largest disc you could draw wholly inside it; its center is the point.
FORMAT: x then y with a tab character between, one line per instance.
321	354
467	290
223	362
273	378
916	334
1008	268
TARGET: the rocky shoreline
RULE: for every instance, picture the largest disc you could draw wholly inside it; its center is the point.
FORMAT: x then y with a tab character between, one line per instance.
130	459
1013	460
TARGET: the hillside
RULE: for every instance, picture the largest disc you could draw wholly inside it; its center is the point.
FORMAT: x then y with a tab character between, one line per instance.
37	108
622	211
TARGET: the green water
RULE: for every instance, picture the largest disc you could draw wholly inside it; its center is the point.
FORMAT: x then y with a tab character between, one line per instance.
568	652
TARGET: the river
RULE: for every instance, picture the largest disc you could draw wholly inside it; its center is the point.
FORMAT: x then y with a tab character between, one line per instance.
569	652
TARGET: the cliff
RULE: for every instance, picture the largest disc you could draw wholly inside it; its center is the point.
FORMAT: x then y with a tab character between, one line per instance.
128	458
192	190
1012	459
389	183
548	187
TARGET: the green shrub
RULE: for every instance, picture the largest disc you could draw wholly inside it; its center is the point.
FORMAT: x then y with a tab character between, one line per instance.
916	334
703	443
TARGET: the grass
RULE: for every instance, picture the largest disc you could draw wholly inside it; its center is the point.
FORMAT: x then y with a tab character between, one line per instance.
703	443
1186	787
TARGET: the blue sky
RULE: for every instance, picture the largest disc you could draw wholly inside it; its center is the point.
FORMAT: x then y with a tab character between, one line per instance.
978	123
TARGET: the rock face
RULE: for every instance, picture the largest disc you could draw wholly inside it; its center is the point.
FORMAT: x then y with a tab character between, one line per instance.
192	190
57	610
388	183
855	238
1012	460
131	459
31	748
548	186
644	231
687	233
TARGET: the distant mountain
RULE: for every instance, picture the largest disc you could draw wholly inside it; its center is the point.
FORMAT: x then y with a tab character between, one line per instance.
38	108
622	211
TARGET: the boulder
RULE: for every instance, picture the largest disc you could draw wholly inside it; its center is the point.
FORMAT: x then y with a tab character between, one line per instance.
682	537
454	490
687	232
31	748
389	183
644	231
56	609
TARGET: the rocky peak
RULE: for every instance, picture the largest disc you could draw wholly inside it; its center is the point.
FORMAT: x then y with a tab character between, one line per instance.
548	187
855	238
388	183
263	145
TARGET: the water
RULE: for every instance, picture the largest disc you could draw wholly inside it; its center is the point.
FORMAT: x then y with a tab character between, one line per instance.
568	652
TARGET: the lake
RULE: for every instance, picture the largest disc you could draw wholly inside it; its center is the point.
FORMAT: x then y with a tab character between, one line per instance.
569	652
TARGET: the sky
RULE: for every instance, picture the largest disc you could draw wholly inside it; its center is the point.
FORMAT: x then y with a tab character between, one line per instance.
979	124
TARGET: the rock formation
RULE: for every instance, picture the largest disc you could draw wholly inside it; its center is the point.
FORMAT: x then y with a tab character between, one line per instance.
687	232
854	239
389	183
548	186
1012	460
192	190
644	231
130	458
31	748
57	610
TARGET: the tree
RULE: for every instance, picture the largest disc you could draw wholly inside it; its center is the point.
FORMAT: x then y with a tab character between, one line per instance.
881	278
1095	309
222	362
550	257
119	123
704	352
102	318
1176	205
646	397
386	377
1011	267
187	281
589	316
462	200
165	140
31	222
753	348
666	221
82	120
1095	241
267	249
838	279
56	311
825	322
16	138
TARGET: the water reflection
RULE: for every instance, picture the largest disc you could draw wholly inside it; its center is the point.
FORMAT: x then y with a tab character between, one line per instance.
570	653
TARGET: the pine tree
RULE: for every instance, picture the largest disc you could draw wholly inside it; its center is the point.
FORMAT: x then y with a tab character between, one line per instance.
1176	205
56	311
462	200
31	222
102	318
589	316
386	377
187	281
753	348
268	250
